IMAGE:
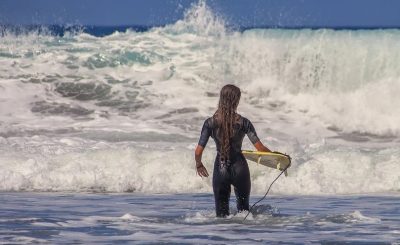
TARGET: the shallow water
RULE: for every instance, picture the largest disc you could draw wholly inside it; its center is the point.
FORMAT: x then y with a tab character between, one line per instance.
189	218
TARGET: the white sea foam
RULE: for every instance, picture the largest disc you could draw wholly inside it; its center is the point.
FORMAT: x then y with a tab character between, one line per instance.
361	218
297	71
120	167
123	112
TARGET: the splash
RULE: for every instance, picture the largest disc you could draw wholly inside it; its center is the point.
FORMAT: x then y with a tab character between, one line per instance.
200	20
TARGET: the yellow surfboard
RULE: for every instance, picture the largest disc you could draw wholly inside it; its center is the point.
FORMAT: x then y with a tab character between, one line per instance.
274	160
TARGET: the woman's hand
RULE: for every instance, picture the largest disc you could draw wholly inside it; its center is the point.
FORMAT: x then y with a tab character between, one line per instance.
201	170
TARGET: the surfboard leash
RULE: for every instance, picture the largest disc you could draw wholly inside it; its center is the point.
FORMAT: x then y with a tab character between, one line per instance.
267	190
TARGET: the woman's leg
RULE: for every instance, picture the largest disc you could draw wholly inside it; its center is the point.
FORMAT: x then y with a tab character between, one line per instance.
242	184
222	191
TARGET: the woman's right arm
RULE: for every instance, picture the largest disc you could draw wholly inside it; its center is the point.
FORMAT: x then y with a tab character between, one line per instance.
260	147
251	133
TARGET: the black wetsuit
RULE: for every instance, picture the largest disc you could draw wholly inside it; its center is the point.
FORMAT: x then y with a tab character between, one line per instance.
238	173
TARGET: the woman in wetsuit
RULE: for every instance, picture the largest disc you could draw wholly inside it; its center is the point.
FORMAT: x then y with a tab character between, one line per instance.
228	128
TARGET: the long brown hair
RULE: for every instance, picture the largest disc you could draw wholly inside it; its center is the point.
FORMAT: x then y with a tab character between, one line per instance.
226	117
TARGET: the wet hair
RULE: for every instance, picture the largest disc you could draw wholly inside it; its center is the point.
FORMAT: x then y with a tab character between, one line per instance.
226	117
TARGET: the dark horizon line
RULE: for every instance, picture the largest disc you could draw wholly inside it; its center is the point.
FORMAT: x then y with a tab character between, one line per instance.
104	30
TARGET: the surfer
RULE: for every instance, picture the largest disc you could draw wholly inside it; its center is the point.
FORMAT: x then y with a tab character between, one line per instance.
228	128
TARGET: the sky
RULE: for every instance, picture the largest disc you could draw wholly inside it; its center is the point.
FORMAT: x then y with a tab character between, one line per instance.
242	13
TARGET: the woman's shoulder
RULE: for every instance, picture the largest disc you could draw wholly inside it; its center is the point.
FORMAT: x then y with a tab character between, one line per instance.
210	121
242	118
244	121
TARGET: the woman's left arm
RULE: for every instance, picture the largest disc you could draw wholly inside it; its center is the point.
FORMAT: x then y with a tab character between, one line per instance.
200	169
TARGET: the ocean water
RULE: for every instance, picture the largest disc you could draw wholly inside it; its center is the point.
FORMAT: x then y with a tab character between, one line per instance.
71	218
119	115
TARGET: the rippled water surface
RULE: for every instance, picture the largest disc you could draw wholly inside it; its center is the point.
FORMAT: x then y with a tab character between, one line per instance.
189	218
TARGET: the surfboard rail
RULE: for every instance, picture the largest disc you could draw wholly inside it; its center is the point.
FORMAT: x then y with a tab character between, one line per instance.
276	160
